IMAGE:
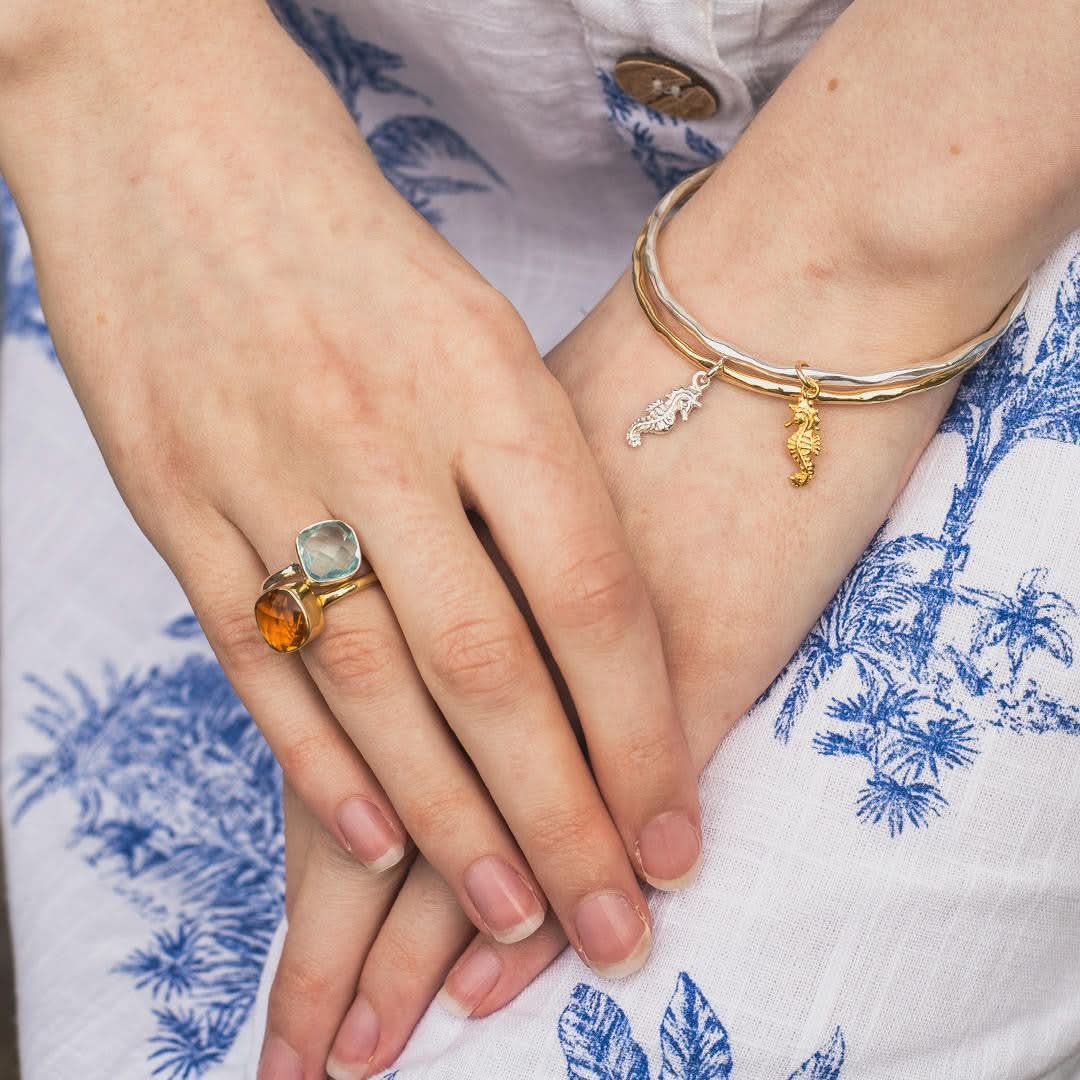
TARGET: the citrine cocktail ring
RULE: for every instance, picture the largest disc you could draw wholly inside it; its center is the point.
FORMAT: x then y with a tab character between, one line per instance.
289	611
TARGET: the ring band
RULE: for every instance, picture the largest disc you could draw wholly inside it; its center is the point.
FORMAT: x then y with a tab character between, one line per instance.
289	610
292	573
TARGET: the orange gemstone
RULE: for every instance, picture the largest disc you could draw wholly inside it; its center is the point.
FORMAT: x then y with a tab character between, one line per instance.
281	620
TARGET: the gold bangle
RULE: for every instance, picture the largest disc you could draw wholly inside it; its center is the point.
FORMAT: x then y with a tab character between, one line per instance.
802	385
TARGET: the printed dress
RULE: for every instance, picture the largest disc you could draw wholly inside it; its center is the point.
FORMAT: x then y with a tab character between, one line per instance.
891	888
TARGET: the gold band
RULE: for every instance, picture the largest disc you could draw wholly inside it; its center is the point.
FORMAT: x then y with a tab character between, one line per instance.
733	366
289	611
290	616
804	387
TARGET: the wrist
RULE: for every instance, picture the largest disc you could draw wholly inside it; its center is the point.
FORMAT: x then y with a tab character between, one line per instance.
164	107
779	271
85	88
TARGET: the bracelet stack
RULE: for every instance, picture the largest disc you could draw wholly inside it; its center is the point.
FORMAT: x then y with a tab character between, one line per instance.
803	386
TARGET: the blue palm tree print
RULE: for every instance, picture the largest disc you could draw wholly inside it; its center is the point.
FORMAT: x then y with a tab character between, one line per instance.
422	156
177	806
639	126
598	1044
924	678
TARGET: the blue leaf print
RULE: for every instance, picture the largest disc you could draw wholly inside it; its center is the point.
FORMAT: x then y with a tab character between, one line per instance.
421	155
639	126
945	743
190	1042
694	1043
22	313
351	65
886	799
1023	623
825	1064
187	626
174	964
596	1039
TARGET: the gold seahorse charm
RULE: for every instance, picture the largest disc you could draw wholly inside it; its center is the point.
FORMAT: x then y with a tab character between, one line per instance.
804	443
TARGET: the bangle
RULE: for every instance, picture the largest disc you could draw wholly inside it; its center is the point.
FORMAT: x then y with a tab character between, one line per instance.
804	386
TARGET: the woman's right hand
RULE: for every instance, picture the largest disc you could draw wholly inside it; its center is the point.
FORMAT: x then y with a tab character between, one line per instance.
262	335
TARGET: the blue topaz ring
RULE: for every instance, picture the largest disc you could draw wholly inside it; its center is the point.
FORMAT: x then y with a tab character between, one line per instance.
329	566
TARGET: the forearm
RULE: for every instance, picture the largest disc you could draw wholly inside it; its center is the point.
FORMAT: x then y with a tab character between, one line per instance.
914	168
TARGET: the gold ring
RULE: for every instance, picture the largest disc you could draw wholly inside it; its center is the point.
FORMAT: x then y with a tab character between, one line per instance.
289	611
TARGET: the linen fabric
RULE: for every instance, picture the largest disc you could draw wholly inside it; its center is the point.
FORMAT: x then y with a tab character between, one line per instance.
891	885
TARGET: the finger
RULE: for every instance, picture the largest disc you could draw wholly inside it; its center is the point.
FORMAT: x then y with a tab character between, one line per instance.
553	520
483	668
336	914
300	830
363	668
419	941
489	975
221	577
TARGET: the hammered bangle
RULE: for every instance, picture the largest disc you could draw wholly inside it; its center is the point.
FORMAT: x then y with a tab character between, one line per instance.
804	386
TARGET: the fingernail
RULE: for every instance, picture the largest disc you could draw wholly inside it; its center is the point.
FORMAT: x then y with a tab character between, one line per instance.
368	835
509	908
280	1061
614	937
670	851
355	1044
472	979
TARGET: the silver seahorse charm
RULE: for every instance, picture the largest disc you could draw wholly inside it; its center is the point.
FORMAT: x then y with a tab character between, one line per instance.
660	415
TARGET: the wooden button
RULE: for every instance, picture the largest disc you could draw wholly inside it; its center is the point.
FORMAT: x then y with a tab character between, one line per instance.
666	87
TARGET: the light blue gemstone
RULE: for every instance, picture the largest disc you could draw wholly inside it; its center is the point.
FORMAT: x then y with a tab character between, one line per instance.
328	551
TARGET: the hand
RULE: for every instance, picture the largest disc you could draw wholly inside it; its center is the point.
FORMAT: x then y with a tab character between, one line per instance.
736	586
738	563
262	334
872	210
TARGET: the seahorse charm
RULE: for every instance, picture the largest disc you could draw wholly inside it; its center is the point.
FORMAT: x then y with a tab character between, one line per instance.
804	443
661	414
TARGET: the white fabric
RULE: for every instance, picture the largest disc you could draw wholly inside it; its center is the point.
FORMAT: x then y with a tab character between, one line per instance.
939	694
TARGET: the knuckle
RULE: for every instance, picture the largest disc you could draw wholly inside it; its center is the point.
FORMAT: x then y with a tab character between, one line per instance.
564	836
301	987
359	661
403	954
481	659
649	754
439	812
497	321
237	642
598	592
303	757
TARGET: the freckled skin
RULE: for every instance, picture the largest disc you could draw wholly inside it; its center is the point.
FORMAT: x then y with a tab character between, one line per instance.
832	84
954	149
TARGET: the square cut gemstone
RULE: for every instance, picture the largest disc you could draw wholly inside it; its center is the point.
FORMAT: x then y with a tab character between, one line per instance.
328	551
